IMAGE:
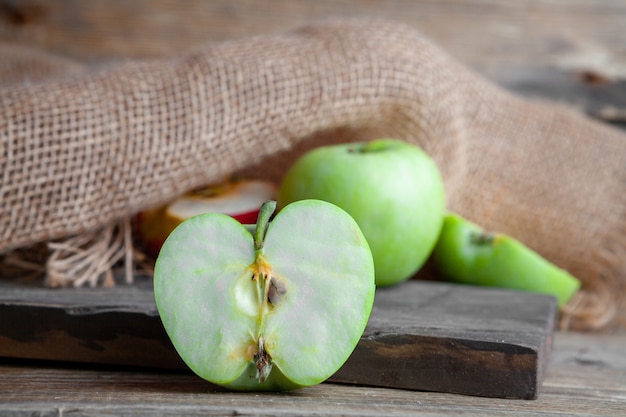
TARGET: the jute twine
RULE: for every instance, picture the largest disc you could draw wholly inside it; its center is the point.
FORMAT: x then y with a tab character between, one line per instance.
84	150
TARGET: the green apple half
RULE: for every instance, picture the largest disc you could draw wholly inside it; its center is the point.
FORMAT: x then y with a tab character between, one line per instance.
391	188
281	309
465	253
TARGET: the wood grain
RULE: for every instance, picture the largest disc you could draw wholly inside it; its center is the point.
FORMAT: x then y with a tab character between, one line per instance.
569	51
421	335
586	376
484	33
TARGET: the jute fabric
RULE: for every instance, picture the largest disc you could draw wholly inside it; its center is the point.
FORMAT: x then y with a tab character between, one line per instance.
84	149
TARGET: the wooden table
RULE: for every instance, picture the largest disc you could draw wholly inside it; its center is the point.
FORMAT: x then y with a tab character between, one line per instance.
558	50
586	376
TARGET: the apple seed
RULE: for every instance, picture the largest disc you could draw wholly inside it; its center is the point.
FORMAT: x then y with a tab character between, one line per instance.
276	291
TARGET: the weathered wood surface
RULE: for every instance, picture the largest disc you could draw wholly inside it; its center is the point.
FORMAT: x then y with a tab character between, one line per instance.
486	34
570	51
421	335
586	376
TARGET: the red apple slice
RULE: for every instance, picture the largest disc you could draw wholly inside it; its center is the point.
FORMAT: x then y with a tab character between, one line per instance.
240	200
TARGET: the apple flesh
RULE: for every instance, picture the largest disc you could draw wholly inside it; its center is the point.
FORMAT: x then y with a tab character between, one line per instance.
391	188
241	200
278	309
466	254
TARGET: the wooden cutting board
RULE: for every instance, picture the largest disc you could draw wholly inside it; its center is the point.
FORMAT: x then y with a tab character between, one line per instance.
422	335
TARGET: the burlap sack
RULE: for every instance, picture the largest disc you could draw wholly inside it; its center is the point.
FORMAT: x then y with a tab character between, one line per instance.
79	155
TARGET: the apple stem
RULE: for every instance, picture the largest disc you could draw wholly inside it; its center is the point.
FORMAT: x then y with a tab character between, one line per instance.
372	146
482	238
265	213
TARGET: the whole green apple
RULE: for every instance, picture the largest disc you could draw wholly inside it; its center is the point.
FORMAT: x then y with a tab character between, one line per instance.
391	188
277	307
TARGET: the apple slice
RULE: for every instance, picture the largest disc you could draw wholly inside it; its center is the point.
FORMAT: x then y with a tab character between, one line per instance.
239	199
279	310
465	253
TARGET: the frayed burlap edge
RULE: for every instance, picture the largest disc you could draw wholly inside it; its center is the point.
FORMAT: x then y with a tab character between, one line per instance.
90	259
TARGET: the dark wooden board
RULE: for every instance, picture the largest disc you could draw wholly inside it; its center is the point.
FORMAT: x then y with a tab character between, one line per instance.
422	335
586	377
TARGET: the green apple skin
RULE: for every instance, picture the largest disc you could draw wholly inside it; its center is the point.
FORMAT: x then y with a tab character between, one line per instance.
466	254
211	283
391	188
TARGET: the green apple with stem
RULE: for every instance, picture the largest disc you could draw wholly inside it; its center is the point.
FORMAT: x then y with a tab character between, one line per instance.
278	307
392	189
467	254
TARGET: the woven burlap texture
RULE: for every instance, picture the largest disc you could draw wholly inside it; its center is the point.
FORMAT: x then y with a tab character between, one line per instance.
80	154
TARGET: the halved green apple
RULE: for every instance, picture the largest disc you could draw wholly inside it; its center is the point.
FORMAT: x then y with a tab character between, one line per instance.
280	309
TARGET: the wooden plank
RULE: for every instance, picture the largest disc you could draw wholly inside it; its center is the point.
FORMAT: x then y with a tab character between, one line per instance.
485	34
113	326
590	92
421	335
586	376
565	51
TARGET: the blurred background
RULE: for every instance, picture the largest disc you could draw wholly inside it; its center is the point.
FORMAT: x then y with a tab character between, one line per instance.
572	51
